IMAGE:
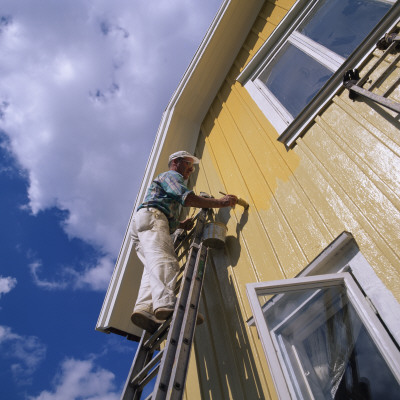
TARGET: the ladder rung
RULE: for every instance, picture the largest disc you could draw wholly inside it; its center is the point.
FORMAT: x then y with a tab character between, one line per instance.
375	66
149	377
178	285
181	269
137	380
388	69
182	255
158	336
391	87
184	241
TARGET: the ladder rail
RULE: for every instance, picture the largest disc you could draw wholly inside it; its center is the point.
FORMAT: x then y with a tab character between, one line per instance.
180	313
180	367
388	103
162	383
141	358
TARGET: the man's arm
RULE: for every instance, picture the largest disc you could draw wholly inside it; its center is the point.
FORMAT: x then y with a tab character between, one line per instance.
192	200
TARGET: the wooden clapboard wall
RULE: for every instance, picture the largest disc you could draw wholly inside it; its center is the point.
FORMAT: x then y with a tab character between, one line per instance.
343	175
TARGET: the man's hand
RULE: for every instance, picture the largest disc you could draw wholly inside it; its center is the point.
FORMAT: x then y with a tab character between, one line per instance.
187	224
229	200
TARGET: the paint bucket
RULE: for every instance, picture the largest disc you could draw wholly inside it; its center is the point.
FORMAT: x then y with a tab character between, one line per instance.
214	235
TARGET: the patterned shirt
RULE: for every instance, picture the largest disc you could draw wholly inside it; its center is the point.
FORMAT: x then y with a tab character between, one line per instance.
167	193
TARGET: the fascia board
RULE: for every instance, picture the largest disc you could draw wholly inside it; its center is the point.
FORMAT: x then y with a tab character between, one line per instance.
179	129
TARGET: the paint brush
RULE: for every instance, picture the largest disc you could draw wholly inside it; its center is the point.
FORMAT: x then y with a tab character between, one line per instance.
241	202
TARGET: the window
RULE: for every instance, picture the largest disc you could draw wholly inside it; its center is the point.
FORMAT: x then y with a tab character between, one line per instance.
306	50
321	334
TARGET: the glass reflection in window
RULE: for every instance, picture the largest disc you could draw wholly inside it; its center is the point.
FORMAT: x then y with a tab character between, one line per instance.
295	78
341	25
327	350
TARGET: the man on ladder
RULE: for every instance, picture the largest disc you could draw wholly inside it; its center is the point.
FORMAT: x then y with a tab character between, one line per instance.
153	223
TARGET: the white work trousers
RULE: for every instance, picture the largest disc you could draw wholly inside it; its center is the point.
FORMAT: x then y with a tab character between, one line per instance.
155	249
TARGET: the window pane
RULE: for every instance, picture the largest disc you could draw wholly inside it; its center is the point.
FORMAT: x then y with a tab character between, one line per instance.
341	25
294	78
326	348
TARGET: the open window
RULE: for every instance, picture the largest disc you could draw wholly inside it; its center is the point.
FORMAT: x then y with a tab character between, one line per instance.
322	336
300	65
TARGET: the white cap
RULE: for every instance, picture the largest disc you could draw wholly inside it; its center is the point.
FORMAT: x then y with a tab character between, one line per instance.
183	154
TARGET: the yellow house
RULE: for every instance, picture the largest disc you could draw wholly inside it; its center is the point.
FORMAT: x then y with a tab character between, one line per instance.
303	301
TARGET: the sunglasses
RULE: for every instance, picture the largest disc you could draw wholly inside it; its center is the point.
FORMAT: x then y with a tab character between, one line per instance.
190	163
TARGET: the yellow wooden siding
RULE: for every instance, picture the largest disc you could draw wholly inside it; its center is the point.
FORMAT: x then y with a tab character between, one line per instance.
269	17
224	347
343	175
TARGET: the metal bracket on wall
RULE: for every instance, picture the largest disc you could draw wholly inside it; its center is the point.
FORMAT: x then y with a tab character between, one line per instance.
352	81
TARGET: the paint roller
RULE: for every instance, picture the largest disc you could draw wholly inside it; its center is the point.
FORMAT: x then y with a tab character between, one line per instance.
241	202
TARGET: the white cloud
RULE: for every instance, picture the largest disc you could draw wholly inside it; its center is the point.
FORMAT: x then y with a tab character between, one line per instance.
81	379
98	277
24	353
7	284
83	87
45	283
94	277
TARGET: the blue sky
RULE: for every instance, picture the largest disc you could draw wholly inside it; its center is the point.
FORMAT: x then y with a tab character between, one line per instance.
82	90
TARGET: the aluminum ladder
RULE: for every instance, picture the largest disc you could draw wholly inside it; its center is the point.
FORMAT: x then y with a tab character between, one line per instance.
170	365
351	80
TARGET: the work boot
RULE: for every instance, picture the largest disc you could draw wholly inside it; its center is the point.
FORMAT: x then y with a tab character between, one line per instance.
163	313
145	320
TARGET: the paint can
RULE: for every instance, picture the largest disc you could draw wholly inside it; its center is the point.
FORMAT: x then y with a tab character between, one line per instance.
214	235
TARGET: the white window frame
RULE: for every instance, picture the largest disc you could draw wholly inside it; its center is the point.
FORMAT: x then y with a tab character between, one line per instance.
340	263
290	129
